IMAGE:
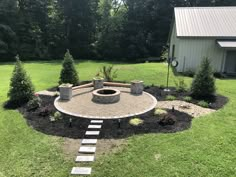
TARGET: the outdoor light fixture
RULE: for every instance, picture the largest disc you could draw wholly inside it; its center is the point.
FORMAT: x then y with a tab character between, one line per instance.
173	108
70	122
119	122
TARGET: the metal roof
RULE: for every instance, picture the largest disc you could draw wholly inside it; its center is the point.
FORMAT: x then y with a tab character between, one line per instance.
205	21
227	44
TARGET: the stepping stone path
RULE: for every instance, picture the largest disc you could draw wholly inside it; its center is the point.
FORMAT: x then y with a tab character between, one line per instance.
81	171
84	159
96	121
95	126
89	141
87	149
92	132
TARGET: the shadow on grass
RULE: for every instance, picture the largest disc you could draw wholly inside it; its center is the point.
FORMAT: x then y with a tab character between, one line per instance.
110	128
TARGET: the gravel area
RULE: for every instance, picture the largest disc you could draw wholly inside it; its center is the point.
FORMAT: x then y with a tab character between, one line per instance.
182	106
81	105
47	93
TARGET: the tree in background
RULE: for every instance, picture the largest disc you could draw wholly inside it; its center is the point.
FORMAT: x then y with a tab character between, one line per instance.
203	84
8	38
110	29
91	29
21	88
68	72
80	23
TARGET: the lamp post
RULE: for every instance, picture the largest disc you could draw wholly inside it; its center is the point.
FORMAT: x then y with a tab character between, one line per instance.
168	76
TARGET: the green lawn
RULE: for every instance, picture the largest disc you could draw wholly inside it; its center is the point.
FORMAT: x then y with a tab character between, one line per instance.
207	149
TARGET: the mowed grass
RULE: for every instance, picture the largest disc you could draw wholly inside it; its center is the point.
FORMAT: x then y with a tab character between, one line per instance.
206	149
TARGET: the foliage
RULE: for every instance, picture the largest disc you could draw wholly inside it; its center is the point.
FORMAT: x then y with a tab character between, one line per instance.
136	121
34	103
52	161
160	112
56	116
109	73
189	73
187	98
111	29
165	54
21	88
68	72
203	104
167	120
203	84
170	98
46	111
180	85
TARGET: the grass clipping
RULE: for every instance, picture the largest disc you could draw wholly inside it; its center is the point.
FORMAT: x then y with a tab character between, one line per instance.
136	121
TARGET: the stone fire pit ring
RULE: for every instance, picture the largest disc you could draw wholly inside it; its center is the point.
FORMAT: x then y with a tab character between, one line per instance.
106	96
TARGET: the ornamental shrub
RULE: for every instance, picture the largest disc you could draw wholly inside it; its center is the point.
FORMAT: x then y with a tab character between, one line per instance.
170	98
34	103
109	73
21	89
187	98
203	104
68	72
203	84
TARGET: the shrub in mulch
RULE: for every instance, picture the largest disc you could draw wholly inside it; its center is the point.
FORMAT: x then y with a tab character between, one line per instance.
168	119
215	101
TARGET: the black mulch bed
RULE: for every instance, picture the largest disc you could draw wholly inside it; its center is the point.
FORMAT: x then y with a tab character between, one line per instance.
39	119
216	102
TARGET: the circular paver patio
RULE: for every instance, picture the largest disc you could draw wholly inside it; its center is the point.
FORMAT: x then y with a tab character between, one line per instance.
81	105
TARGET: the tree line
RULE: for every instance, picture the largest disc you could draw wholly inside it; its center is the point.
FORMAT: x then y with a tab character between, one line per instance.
90	29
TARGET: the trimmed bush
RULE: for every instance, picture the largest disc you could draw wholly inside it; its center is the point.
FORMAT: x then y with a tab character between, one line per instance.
160	112
34	103
21	88
203	84
136	121
170	98
68	72
180	85
203	104
187	98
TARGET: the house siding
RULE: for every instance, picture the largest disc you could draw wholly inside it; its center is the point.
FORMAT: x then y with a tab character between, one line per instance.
192	50
174	41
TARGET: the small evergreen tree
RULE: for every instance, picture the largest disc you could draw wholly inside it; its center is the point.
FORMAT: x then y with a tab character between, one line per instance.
68	72
203	84
21	88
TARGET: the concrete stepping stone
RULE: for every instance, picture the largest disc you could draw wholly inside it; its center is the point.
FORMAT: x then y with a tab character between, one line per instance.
89	141
84	159
81	171
92	132
87	149
96	121
95	126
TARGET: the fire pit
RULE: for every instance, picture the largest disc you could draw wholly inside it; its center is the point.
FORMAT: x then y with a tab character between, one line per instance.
106	96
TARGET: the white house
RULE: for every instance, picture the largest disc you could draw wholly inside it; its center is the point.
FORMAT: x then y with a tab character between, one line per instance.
198	32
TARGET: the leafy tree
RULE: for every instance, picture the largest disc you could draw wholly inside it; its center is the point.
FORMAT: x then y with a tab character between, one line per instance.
8	38
80	23
68	72
21	88
203	84
114	29
110	29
